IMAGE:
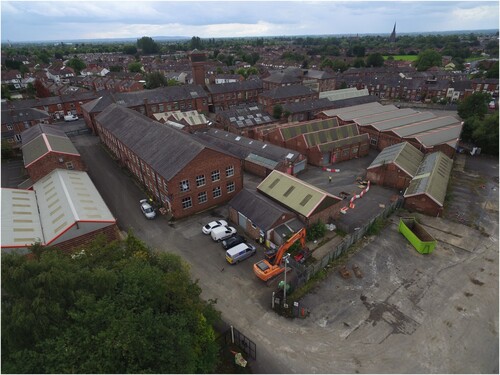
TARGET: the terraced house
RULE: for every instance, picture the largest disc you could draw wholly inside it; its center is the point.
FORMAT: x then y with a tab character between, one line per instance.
183	174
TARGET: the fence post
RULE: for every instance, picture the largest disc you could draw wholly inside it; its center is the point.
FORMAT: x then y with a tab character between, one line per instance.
272	302
232	335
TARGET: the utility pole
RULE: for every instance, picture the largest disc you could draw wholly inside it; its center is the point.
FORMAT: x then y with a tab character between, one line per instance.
285	259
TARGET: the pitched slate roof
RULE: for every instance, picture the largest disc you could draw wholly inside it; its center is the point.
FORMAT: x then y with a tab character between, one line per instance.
11	116
160	95
332	145
282	78
307	105
223	88
40	139
165	149
352	92
403	155
431	178
262	211
282	92
244	148
99	104
295	194
245	116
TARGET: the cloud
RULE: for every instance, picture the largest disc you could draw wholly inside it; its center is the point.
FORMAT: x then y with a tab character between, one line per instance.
58	20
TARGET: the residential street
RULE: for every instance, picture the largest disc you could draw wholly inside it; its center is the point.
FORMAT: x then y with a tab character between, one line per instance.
410	313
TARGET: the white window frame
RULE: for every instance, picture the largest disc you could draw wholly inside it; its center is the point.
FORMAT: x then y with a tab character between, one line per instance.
231	187
184	185
215	175
217	192
200	180
202	197
230	171
186	203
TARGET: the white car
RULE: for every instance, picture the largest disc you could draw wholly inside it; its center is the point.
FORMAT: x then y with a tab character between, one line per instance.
147	209
213	224
70	118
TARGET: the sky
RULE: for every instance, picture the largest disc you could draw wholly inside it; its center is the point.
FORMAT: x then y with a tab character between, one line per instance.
71	20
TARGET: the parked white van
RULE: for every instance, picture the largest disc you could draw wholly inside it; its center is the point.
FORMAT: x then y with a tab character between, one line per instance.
221	233
240	252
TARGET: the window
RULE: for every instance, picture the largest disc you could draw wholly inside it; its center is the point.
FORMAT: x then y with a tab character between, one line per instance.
186	203
69	165
18	137
165	186
202	197
161	107
230	171
9	127
184	185
217	192
345	153
230	187
200	180
373	141
215	175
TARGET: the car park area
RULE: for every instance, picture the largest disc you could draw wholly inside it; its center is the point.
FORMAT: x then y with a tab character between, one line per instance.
407	313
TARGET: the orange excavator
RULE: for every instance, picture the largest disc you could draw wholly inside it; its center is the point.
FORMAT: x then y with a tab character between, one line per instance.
266	270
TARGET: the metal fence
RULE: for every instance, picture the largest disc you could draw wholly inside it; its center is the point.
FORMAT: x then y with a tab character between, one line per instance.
305	273
235	337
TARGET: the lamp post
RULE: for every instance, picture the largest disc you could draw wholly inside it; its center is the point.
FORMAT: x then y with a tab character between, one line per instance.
285	259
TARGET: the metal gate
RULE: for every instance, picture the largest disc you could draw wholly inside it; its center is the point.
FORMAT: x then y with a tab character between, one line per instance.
233	336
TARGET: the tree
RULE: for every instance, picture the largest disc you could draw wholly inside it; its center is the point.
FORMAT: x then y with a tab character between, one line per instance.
155	79
358	51
195	43
475	105
135	67
116	68
77	64
359	63
130	50
147	45
41	90
277	111
112	308
375	60
427	59
485	134
492	71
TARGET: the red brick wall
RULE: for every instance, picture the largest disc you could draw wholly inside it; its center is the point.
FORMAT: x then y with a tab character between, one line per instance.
332	212
49	162
389	175
255	169
111	232
206	162
423	204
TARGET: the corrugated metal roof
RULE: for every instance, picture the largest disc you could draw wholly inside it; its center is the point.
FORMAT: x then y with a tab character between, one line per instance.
372	119
260	160
424	126
431	178
401	121
41	143
146	138
293	193
341	94
289	132
330	146
348	112
330	135
65	197
404	155
262	211
37	130
20	220
448	134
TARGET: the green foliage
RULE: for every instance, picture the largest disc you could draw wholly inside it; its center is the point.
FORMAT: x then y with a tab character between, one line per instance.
155	79
13	64
492	72
474	105
316	231
277	111
483	133
375	60
375	227
172	82
293	56
5	92
77	64
116	68
130	49
7	150
147	45
111	308
135	67
427	59
196	43
358	51
359	63
245	72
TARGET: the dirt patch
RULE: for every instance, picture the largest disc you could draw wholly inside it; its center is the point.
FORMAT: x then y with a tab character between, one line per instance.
476	282
467	294
459	308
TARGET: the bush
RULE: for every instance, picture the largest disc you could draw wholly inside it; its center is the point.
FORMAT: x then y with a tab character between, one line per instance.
316	231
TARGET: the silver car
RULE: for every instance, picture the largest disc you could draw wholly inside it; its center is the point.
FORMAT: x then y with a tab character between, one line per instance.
147	209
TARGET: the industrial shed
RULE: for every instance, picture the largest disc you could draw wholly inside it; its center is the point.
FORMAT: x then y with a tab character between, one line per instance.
258	215
257	157
279	135
307	201
331	145
395	166
427	190
64	210
47	147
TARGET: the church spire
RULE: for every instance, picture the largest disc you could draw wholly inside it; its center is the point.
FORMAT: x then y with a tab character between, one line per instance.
392	38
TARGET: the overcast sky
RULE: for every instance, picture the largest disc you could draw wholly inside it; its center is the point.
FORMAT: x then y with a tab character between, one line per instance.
65	20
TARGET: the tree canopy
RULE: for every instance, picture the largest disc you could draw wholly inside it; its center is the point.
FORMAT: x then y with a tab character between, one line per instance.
111	308
147	45
427	59
77	64
474	105
135	67
155	79
375	60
